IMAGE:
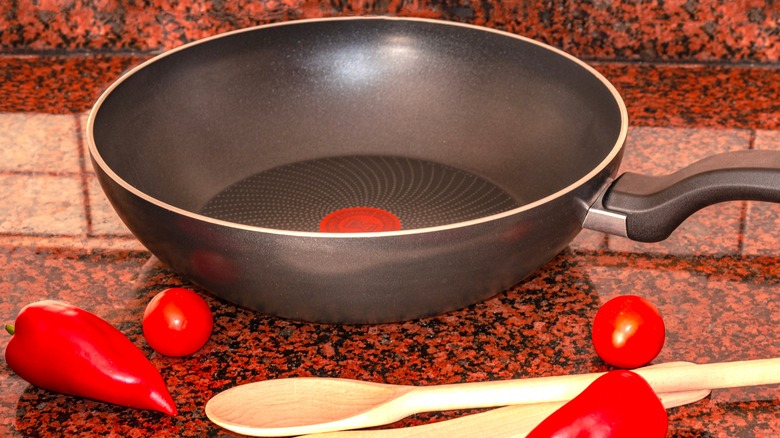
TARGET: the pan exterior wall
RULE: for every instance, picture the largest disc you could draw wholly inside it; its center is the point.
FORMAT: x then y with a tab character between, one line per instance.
672	30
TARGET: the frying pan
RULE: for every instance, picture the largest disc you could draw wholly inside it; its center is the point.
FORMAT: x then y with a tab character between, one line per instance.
376	169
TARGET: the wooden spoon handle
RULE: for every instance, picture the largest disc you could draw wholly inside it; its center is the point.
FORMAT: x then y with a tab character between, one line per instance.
713	375
510	421
685	377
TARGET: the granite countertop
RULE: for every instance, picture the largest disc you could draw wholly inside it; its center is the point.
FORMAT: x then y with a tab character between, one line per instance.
715	280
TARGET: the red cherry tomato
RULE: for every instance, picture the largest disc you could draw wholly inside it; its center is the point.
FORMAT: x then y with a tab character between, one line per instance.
177	322
628	332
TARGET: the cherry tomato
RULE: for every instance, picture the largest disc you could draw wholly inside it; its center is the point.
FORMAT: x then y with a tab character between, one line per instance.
628	332
177	322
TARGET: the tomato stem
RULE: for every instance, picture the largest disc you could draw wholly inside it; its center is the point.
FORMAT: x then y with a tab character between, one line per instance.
10	329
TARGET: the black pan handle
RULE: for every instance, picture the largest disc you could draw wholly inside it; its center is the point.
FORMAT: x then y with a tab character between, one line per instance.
654	206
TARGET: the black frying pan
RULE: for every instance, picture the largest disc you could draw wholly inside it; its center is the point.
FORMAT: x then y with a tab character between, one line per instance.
361	170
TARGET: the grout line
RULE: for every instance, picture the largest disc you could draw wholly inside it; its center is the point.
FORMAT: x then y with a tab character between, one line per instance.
104	243
38	173
743	211
742	228
683	63
752	139
98	236
78	53
84	175
63	53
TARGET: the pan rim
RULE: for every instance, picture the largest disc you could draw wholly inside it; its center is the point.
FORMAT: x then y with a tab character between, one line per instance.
614	151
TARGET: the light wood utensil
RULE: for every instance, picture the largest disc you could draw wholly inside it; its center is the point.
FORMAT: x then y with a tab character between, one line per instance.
308	405
514	421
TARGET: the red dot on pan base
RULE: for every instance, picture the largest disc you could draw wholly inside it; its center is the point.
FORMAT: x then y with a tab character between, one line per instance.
359	220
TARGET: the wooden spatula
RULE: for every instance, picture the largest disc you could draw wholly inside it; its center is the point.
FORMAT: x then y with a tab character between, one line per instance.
514	421
297	406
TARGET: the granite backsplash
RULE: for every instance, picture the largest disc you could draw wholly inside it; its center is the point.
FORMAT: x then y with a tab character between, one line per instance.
742	31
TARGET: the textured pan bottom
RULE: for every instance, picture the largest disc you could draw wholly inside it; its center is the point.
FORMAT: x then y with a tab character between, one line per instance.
359	193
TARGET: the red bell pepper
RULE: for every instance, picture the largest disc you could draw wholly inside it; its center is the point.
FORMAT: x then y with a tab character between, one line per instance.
618	404
62	348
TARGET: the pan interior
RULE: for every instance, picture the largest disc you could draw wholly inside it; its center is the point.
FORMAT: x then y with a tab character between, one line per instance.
194	127
301	195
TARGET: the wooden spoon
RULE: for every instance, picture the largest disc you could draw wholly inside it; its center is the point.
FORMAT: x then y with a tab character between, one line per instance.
514	421
305	405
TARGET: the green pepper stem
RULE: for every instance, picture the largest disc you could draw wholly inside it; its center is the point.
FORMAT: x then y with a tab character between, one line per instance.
10	329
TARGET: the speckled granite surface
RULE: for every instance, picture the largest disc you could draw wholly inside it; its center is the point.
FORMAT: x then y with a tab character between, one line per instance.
650	30
716	279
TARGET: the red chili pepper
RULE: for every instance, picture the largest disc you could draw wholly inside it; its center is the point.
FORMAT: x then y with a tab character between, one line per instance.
618	404
62	348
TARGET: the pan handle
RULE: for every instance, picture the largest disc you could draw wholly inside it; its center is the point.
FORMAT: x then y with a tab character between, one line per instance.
652	207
